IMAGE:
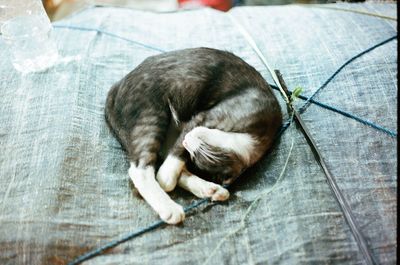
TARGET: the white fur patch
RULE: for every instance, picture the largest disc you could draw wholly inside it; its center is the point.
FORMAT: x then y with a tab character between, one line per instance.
144	180
173	112
240	143
169	172
191	143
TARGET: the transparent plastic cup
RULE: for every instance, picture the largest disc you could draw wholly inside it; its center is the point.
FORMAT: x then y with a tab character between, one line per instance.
29	42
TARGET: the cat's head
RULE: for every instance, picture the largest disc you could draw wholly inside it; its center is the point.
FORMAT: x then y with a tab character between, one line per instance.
222	155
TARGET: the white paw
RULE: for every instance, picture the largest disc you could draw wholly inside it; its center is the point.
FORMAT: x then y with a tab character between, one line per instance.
198	131
167	179
215	192
169	172
172	213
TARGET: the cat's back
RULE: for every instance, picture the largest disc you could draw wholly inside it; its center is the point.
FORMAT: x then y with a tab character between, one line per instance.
193	62
204	68
191	56
191	80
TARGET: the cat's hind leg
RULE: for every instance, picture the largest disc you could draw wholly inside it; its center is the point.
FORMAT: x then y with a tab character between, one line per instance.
144	180
202	188
144	143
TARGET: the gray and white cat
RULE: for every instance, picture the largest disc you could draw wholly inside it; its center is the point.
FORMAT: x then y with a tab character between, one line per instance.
227	114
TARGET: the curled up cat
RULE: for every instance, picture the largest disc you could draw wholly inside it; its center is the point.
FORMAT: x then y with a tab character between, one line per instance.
226	113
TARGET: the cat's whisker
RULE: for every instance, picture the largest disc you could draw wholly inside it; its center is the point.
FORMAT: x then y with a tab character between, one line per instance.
208	155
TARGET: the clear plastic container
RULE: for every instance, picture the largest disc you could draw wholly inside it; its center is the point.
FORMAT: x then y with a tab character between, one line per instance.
27	34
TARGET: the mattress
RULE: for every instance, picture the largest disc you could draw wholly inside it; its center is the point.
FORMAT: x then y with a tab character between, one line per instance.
64	186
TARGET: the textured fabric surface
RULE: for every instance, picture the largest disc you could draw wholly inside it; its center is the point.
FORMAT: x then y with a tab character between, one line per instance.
64	186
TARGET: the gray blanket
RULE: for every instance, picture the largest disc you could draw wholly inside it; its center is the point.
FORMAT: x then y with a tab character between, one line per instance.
64	187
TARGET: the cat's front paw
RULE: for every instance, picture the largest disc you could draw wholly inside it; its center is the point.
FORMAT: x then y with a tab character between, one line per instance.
167	180
172	213
199	131
169	172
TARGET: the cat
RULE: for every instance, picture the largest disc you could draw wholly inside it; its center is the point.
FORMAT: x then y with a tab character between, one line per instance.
227	114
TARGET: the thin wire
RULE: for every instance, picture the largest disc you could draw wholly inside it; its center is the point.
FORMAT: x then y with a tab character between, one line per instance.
60	26
305	106
129	236
346	114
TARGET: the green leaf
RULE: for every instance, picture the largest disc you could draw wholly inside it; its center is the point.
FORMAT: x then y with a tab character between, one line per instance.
296	93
